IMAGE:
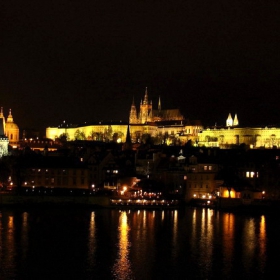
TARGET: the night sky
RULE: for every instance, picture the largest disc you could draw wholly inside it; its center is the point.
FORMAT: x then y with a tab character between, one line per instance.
85	61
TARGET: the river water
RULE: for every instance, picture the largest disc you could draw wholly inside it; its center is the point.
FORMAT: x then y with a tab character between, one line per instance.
190	243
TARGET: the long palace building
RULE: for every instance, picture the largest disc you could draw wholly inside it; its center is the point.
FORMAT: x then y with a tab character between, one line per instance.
154	122
232	134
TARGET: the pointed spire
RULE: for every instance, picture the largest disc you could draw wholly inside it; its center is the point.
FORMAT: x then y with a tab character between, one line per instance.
10	117
128	143
159	103
133	113
235	121
146	97
1	113
128	137
229	121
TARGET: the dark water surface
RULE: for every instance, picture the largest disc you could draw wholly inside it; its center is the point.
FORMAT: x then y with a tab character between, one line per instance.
112	244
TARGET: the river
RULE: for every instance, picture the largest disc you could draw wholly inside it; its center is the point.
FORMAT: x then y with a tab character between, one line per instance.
189	243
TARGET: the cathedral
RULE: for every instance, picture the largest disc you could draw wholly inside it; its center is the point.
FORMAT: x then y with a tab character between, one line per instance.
9	132
148	114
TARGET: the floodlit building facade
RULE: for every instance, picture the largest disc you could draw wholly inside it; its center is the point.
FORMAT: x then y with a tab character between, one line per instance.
232	135
158	123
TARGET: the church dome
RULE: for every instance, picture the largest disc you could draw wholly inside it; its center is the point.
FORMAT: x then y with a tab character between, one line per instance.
11	126
11	129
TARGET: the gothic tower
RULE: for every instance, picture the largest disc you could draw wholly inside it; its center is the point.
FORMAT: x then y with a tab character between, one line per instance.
133	114
145	109
159	104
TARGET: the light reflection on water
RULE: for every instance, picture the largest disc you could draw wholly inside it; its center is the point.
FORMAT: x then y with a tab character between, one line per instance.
111	244
122	267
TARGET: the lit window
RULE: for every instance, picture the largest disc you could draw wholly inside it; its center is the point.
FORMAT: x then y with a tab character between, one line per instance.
247	174
205	167
210	167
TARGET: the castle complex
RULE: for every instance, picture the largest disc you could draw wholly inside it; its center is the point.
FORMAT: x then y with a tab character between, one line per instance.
170	127
165	125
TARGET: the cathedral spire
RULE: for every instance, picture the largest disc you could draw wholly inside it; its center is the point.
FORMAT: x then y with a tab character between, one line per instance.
146	96
159	104
133	113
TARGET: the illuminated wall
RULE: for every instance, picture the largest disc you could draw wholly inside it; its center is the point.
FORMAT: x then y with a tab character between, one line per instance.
253	137
91	132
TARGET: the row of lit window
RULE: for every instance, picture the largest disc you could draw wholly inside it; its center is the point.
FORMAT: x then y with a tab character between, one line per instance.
112	171
58	181
57	170
252	174
196	186
207	167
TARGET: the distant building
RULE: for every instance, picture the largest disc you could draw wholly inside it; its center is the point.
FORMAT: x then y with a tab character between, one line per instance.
232	134
201	183
9	132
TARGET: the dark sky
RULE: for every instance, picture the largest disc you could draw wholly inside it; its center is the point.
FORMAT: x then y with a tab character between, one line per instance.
84	61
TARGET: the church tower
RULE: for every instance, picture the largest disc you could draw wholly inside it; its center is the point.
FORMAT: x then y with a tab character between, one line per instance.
133	114
128	143
235	121
229	121
4	141
145	109
11	129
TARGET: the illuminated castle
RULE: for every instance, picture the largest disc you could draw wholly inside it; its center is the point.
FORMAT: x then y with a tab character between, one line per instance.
164	125
148	114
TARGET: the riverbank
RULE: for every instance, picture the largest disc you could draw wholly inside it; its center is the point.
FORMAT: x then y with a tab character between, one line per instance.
94	201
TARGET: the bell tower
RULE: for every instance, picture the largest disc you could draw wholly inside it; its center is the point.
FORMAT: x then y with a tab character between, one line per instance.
145	109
